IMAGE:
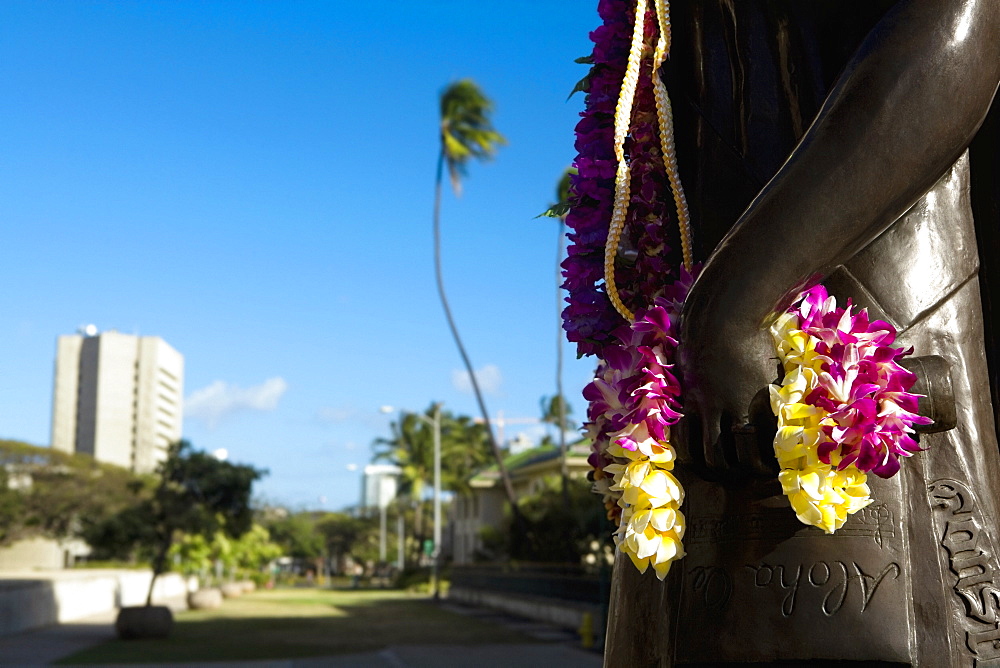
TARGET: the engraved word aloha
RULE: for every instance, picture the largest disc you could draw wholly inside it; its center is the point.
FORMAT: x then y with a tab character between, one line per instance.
713	584
837	576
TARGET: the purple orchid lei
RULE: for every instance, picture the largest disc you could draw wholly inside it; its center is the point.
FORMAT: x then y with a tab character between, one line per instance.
590	319
634	394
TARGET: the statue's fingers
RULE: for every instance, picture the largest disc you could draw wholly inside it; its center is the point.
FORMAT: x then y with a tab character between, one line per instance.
760	447
748	454
681	438
712	442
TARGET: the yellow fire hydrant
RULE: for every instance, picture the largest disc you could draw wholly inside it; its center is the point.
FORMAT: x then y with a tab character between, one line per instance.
586	630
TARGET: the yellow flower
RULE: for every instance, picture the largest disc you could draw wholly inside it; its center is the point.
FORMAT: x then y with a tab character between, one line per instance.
652	524
823	497
795	347
820	495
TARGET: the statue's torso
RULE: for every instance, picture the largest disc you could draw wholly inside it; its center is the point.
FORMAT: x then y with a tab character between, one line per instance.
747	77
914	579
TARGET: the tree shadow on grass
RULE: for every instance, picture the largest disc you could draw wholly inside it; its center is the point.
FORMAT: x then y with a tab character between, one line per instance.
301	625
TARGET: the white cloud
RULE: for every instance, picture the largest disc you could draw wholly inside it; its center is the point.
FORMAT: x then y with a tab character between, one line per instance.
220	400
489	378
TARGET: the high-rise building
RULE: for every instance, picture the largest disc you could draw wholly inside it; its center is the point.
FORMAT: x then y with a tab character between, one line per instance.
378	486
117	397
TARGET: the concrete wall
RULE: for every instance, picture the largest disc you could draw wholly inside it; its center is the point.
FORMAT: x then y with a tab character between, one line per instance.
566	614
32	554
32	600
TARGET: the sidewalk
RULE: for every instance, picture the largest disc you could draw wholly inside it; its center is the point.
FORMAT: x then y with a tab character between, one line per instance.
44	646
420	656
40	647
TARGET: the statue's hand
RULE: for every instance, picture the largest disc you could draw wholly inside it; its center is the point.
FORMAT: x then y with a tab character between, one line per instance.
726	366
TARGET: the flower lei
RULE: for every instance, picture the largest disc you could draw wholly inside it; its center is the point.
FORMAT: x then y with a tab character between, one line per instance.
633	401
589	318
843	407
622	203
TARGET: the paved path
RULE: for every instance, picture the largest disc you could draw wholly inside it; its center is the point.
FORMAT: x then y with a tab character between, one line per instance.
558	648
40	647
422	656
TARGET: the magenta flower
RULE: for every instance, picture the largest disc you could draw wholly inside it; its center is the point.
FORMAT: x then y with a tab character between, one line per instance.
860	385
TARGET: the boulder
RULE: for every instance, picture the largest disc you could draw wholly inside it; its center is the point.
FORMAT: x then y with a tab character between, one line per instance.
209	598
232	589
144	621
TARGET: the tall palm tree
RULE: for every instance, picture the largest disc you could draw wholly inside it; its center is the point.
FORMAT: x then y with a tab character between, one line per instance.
466	133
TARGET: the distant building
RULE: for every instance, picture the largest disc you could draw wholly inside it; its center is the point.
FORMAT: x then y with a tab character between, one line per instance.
378	487
117	397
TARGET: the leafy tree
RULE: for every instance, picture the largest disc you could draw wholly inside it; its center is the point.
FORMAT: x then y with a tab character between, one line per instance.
551	529
297	535
466	133
345	536
251	552
556	411
254	550
464	450
196	494
12	510
54	494
315	536
192	554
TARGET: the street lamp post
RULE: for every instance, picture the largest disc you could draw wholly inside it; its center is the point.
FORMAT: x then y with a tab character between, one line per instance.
399	537
437	500
381	533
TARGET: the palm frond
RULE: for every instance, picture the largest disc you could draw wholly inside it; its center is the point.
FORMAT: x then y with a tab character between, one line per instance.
565	197
467	130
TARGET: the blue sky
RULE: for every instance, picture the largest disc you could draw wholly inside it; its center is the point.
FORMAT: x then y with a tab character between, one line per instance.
252	181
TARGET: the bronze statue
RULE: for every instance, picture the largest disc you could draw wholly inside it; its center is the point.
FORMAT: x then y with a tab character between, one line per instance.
828	140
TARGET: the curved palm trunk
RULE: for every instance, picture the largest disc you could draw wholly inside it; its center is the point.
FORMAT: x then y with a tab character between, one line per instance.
563	468
494	446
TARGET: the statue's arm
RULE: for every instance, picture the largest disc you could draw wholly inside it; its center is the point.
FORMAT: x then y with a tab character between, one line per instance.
906	106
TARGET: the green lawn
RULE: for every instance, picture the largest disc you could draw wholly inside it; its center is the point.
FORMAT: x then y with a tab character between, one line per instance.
290	623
